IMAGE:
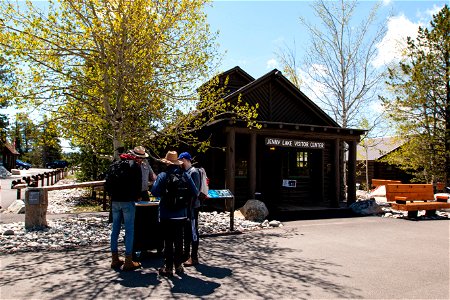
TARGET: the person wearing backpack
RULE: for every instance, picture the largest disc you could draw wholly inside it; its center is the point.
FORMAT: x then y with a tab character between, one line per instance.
123	182
191	235
175	188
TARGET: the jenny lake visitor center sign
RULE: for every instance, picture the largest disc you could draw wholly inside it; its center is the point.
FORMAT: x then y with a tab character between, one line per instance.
294	143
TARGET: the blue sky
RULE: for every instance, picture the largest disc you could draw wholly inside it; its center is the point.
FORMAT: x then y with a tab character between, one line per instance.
252	31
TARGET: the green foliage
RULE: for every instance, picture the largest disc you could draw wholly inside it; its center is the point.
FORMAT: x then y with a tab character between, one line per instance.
113	73
47	146
89	165
5	78
421	108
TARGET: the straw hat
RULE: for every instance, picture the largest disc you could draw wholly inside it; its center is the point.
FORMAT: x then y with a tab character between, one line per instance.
139	151
171	158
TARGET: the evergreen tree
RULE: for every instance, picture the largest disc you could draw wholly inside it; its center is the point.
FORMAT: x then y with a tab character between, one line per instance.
4	81
421	107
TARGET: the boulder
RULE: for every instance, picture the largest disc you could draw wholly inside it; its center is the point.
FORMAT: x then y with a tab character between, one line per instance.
17	207
9	232
4	173
275	223
15	172
254	210
378	192
366	207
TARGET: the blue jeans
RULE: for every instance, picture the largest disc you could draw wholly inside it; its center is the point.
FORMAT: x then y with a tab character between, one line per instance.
127	210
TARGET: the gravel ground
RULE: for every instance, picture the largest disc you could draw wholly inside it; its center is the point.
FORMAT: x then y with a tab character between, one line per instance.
81	230
90	229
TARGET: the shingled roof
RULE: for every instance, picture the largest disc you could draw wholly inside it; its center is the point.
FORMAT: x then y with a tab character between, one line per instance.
378	147
11	148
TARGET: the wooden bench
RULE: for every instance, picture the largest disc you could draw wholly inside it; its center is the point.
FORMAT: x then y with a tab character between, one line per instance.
377	182
415	197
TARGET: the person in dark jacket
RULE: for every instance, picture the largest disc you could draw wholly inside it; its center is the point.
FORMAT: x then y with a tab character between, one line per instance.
172	220
191	226
123	201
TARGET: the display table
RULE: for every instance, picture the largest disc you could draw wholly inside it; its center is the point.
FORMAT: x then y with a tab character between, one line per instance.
147	234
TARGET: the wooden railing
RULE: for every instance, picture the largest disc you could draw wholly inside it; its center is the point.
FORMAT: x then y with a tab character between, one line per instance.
36	201
33	181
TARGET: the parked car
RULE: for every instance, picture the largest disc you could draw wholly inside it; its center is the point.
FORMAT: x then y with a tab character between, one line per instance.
21	165
56	164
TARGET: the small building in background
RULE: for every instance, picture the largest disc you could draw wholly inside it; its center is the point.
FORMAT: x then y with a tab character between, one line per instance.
8	155
371	152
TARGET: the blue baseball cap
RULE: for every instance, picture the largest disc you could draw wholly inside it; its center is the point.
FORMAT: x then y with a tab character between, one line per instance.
185	155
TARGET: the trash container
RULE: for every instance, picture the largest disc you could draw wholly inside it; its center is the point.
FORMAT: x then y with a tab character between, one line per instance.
147	234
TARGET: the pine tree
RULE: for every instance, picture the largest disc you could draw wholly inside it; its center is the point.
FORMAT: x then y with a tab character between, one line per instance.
421	107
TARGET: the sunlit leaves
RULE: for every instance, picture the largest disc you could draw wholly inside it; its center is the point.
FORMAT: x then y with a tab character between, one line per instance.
119	71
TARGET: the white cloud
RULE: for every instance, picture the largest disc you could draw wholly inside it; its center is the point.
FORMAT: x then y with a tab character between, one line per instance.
279	41
394	42
271	63
433	11
386	2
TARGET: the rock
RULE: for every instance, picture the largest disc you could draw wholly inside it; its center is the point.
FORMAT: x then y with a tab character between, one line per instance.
378	192
4	173
366	207
8	232
238	215
254	210
265	223
275	223
17	207
15	172
362	195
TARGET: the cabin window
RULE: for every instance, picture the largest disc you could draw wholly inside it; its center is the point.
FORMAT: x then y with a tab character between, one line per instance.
297	164
241	168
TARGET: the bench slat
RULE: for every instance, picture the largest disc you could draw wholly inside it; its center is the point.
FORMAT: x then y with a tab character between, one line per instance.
420	206
378	182
413	192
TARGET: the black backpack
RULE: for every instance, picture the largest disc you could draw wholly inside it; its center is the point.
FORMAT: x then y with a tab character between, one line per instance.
117	176
176	195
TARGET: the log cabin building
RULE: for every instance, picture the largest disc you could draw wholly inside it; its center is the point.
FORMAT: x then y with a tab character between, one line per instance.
8	156
293	160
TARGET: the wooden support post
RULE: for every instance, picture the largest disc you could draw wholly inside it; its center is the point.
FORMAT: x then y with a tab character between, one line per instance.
413	214
231	207
337	175
430	213
104	199
252	166
351	176
230	160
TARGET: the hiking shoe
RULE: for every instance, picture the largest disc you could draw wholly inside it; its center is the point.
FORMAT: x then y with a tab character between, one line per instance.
164	271
191	262
179	270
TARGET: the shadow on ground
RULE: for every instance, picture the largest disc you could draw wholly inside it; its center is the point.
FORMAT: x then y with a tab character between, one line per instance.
253	265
